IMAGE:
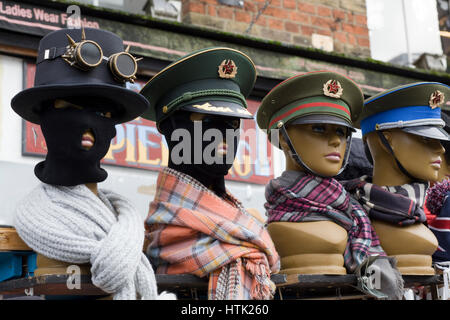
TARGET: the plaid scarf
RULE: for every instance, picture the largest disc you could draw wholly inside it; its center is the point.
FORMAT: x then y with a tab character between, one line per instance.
300	197
400	205
192	230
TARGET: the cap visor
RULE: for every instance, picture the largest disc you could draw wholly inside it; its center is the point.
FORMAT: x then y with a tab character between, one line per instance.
220	108
317	118
432	132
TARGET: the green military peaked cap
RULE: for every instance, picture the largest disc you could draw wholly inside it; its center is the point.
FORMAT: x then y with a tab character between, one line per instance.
414	108
314	97
213	81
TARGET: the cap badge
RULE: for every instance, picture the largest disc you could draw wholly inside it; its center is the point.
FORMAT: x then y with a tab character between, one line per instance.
333	88
227	69
436	99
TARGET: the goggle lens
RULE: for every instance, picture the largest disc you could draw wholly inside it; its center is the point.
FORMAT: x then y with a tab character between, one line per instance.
90	53
126	65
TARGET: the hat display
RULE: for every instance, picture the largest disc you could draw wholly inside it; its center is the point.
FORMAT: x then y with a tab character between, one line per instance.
213	81
314	97
414	108
87	63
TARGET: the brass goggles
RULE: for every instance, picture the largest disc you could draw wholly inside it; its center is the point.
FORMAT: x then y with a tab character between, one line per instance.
88	54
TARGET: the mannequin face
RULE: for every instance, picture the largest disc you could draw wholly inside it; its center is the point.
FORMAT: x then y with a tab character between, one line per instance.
420	156
320	146
444	171
234	123
88	139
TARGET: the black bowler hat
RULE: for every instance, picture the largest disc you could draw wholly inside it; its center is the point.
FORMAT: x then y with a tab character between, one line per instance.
83	65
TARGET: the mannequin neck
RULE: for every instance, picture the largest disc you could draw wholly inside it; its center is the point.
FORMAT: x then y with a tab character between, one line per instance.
385	175
386	172
292	165
215	183
93	187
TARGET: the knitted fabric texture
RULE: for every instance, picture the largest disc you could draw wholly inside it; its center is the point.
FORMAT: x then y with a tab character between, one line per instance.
400	205
436	196
300	197
192	230
73	225
439	204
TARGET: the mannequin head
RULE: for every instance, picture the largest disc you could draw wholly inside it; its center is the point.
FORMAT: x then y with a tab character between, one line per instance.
78	104
444	172
312	115
420	156
196	152
403	130
321	146
204	90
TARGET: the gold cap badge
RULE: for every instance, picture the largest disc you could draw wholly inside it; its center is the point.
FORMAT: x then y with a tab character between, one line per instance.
227	69
333	88
436	99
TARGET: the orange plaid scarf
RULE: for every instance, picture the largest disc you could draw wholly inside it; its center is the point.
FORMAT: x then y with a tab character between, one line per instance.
192	230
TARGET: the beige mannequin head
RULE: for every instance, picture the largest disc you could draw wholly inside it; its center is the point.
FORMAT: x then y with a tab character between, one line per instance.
320	146
420	156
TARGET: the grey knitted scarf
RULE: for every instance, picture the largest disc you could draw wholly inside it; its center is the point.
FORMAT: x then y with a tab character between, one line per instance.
72	224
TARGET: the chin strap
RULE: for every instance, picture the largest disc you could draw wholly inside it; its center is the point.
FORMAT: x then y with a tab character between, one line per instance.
294	155
399	165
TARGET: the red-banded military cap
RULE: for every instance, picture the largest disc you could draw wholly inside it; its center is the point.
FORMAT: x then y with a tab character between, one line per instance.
314	97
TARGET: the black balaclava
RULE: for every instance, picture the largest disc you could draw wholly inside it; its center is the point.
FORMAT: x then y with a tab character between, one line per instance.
67	162
210	175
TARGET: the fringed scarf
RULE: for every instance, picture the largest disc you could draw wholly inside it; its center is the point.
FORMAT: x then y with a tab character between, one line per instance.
191	230
300	197
400	205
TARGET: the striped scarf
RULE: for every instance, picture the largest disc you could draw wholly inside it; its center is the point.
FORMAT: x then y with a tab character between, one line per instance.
438	201
300	197
400	205
192	230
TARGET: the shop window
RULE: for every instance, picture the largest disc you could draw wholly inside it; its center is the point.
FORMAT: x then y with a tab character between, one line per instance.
404	31
131	6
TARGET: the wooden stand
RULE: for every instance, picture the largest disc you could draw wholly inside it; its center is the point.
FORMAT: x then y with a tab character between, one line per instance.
47	266
16	258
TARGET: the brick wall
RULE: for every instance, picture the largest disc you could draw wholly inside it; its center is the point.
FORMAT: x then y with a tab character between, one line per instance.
289	21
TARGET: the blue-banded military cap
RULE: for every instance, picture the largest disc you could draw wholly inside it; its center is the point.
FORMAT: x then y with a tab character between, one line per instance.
213	81
414	108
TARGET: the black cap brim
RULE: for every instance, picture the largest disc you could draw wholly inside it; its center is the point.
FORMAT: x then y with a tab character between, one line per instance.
219	108
130	104
432	132
320	118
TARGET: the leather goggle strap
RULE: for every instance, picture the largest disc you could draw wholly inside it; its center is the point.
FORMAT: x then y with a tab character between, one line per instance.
293	153
50	54
399	165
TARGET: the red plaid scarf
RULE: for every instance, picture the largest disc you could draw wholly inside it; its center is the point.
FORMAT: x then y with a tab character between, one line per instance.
191	230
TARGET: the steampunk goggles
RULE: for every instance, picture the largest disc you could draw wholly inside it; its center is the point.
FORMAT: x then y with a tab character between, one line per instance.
88	54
